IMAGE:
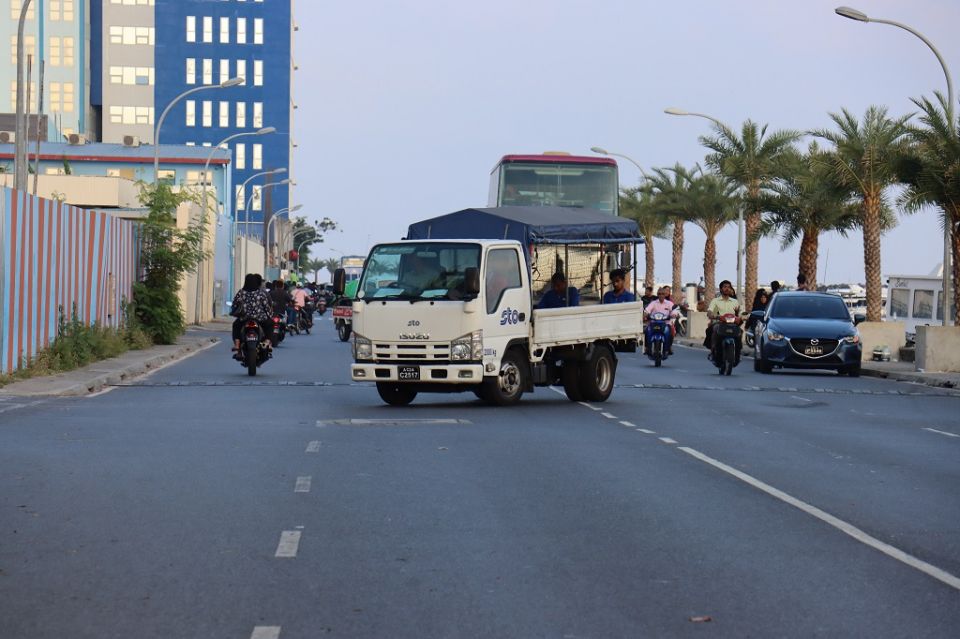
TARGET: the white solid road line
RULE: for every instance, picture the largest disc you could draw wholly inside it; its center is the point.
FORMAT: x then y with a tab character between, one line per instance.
941	432
667	440
303	485
313	447
628	424
646	432
265	632
839	524
289	543
609	416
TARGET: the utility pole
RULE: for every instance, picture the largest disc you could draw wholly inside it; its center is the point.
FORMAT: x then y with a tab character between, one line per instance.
36	158
20	146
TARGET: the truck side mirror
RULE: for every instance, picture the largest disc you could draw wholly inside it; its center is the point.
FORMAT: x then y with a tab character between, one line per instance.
339	281
471	281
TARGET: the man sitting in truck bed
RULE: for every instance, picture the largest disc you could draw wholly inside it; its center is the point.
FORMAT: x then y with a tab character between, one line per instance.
619	294
557	296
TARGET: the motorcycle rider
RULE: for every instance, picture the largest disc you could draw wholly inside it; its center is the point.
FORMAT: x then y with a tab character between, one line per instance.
661	304
280	298
299	296
725	304
250	302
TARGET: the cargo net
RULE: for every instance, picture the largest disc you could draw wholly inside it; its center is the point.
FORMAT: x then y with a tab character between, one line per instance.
583	266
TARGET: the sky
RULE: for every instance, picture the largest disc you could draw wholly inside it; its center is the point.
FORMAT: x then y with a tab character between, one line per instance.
405	106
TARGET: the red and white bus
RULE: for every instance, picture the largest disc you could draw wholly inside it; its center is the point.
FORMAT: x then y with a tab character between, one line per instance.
555	179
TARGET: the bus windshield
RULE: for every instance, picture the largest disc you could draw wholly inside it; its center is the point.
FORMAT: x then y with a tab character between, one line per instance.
432	270
578	186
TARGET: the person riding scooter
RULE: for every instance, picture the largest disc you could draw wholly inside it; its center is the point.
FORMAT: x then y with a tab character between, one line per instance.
662	304
725	304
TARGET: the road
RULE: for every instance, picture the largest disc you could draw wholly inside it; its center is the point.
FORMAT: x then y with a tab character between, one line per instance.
199	503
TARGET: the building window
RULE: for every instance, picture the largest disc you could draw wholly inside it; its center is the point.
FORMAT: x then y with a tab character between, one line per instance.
241	30
191	70
68	52
207	29
224	71
258	73
257	199
258	30
131	35
207	71
29	47
240	198
240	157
224	114
13	96
257	115
191	113
257	156
191	28
198	177
133	2
142	76
224	30
61	10
55	51
207	113
241	115
167	176
116	114
242	70
16	5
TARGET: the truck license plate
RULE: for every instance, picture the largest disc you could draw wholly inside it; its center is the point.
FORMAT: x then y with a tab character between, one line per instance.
408	373
813	350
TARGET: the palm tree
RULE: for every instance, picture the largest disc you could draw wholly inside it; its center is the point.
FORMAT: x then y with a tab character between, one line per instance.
331	264
313	266
932	175
803	205
639	204
711	202
666	185
866	160
753	160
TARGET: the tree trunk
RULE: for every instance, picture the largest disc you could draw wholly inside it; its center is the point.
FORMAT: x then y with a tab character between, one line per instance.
649	262
710	268
809	252
751	226
678	258
871	255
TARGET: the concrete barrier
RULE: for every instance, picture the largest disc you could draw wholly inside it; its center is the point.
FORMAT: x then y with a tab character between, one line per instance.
890	334
938	349
696	325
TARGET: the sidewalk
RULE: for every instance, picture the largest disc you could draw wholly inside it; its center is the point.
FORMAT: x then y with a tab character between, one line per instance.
896	371
94	377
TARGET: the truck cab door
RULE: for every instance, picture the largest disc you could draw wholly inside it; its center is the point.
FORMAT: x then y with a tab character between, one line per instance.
506	300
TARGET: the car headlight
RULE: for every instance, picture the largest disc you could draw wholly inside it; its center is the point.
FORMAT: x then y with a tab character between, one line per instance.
774	336
362	348
852	339
467	347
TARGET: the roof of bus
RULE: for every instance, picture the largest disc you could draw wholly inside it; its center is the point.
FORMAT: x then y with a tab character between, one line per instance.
558	159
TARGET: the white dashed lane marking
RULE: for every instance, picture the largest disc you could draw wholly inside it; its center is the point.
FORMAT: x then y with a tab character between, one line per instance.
667	440
609	416
313	447
265	632
848	529
941	432
591	407
628	424
289	544
646	432
302	485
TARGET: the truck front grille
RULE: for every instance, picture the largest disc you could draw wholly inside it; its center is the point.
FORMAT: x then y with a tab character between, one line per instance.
407	352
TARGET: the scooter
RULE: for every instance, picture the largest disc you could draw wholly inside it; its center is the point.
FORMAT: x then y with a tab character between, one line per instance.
278	330
254	349
321	305
658	328
726	335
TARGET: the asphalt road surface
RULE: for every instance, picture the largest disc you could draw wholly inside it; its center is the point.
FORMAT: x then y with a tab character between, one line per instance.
199	502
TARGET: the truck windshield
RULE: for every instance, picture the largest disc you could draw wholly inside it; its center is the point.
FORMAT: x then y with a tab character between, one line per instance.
418	271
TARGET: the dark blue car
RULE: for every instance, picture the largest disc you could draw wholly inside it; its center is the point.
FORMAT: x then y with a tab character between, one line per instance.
802	329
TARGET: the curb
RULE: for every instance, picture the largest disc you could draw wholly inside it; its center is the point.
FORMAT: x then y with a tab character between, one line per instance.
94	377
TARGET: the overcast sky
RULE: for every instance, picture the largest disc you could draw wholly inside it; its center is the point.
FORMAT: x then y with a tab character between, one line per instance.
406	105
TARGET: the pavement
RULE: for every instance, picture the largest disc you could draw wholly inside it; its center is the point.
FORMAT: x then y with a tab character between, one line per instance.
125	368
895	371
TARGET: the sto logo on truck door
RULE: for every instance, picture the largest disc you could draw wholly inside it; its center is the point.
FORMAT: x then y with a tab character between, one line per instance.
509	316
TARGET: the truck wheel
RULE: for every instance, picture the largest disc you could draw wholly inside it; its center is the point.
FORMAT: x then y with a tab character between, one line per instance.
343	331
507	387
597	375
396	394
570	376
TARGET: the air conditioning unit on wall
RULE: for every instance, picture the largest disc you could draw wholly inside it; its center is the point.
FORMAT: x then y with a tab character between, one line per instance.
131	140
7	137
76	138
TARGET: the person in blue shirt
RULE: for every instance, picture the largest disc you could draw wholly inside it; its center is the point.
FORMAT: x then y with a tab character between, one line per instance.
557	296
619	294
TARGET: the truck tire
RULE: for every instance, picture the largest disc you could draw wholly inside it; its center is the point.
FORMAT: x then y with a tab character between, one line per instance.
597	375
506	388
570	377
396	394
343	331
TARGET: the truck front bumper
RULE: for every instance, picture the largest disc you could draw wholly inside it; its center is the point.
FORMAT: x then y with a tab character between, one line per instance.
445	374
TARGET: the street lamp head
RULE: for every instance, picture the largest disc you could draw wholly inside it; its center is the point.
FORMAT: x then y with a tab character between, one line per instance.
232	82
267	129
600	150
675	111
853	14
296	208
280	170
285	181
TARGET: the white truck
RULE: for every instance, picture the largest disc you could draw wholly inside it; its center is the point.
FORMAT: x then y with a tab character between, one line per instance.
450	315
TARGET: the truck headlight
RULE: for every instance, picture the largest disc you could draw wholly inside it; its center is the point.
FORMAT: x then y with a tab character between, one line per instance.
362	348
467	347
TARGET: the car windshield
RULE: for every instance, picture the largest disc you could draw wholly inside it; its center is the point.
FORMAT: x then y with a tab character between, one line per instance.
433	270
809	307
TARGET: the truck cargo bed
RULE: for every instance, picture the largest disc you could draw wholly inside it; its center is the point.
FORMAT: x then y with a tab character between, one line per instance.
585	324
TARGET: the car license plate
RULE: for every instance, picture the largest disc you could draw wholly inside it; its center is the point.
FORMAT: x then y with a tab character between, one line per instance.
813	350
408	373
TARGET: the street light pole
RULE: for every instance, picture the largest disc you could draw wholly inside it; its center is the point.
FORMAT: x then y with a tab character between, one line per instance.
246	213
312	240
740	234
232	82
266	232
947	283
235	234
20	144
603	151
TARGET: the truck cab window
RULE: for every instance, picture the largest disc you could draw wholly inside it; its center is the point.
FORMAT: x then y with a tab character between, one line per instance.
503	273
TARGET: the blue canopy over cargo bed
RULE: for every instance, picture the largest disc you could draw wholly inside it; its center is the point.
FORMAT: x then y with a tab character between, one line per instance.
528	225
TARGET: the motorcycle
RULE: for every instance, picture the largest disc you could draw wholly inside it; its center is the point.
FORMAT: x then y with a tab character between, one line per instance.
254	349
322	305
305	316
726	335
278	329
658	328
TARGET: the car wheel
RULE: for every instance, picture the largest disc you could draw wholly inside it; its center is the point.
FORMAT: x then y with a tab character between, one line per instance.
853	370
